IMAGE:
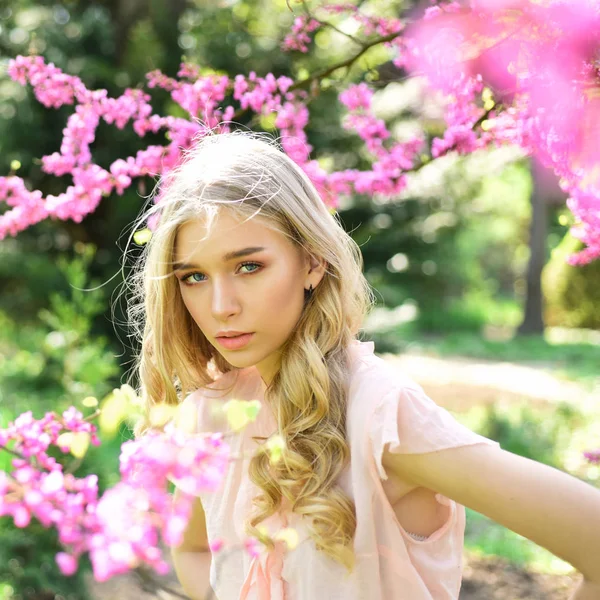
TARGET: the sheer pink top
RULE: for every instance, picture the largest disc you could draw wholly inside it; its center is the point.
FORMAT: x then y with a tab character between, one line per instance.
384	407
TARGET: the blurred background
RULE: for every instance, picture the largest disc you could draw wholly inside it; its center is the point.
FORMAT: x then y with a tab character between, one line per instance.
474	298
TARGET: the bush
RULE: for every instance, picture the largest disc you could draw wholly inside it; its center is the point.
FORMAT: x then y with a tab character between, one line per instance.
572	293
540	436
52	366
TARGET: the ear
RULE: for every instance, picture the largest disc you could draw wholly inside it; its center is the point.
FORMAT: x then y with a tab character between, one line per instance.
316	271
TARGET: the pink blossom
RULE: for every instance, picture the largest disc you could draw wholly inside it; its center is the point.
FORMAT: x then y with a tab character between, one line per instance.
542	78
122	529
542	87
66	563
252	546
357	97
593	456
299	38
200	95
216	545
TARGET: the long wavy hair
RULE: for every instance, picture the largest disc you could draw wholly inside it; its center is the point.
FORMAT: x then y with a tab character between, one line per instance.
248	173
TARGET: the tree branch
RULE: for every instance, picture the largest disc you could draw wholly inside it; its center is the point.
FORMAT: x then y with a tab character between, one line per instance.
345	63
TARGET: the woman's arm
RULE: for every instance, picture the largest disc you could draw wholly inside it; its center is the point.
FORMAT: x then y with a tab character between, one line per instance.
193	573
550	507
192	558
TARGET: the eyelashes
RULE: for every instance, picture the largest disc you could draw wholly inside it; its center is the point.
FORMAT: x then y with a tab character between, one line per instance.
185	279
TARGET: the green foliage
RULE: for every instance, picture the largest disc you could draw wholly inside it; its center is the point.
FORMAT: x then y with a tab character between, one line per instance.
49	367
572	293
539	435
57	364
28	569
455	248
460	314
28	274
486	537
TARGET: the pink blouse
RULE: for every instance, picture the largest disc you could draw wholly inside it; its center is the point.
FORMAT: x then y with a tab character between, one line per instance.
384	407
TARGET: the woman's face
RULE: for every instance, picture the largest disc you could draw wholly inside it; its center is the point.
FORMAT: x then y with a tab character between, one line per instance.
260	292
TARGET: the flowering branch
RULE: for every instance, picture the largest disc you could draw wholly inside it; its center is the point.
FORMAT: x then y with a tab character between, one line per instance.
119	530
440	48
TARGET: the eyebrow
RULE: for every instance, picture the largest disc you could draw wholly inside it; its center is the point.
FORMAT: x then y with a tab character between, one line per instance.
181	266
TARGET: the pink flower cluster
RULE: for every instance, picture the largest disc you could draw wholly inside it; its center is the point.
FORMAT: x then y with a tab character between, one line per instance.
541	61
262	94
388	175
121	529
37	486
268	95
299	37
593	456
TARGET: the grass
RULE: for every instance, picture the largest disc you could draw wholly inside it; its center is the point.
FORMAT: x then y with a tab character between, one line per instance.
485	537
573	361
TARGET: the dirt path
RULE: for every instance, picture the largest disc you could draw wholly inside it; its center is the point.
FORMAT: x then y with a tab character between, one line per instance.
456	384
459	383
492	578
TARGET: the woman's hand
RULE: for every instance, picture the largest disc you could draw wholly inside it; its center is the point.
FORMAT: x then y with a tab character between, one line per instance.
586	590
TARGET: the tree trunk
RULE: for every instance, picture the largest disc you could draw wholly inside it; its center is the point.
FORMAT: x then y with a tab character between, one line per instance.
533	321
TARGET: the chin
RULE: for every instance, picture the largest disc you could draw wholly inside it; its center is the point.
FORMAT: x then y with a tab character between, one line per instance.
235	359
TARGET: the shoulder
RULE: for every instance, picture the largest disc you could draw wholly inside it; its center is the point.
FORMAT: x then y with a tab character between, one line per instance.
365	366
374	383
392	412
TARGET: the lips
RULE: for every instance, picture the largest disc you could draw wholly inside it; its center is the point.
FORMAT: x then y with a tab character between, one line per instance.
233	335
235	342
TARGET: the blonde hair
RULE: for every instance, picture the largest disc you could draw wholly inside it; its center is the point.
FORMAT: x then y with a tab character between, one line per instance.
248	173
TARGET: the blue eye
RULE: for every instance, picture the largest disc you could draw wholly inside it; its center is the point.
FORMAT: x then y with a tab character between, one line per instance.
184	280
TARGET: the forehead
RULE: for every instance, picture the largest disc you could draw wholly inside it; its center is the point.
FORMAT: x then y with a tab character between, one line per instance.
212	238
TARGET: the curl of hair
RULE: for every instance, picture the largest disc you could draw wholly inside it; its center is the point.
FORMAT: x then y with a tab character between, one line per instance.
247	172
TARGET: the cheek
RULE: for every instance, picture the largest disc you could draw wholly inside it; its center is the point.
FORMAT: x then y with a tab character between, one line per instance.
193	308
284	299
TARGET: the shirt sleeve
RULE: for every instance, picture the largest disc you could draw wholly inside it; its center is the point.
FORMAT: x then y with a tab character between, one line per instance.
409	421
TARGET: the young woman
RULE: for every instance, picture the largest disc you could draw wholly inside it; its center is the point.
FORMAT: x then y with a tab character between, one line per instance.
251	289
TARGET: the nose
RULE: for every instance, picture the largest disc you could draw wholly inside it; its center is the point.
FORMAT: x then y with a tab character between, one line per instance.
224	300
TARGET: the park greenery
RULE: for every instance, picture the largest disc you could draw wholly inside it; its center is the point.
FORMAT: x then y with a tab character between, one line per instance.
451	247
